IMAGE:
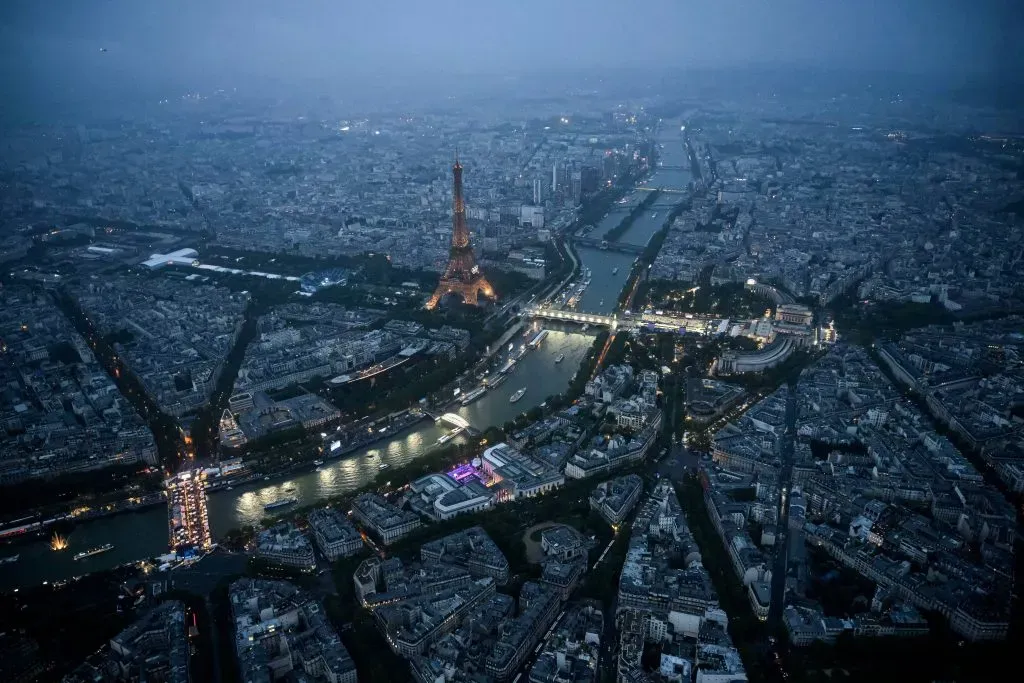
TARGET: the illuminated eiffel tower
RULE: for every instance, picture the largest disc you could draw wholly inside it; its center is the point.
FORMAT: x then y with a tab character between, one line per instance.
462	276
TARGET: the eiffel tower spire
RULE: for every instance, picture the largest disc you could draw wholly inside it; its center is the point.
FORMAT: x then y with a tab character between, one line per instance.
462	276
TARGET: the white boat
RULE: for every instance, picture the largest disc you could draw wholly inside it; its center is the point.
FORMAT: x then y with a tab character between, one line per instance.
10	559
384	466
318	462
516	396
280	503
94	551
615	270
560	358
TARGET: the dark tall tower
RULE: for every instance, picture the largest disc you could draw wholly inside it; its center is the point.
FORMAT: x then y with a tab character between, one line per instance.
462	276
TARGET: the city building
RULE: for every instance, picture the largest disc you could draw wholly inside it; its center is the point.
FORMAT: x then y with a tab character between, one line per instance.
615	499
518	475
607	453
153	648
538	607
719	664
572	652
285	546
382	519
562	542
280	631
181	257
61	411
652	580
439	496
471	549
334	534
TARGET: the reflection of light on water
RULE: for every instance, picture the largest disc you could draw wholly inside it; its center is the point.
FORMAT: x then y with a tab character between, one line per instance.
415	441
249	507
327	476
541	374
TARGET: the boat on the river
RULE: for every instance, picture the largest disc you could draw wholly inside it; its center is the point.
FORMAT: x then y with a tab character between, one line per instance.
445	438
94	551
384	466
473	395
318	462
281	502
518	395
615	270
11	559
560	358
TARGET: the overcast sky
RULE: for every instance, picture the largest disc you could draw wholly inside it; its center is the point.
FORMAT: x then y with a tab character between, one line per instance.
51	47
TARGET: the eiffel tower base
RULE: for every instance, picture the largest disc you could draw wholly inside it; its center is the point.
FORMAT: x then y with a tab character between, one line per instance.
469	291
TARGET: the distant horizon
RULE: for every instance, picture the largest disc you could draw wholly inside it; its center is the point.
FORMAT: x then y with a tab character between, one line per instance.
122	52
1005	90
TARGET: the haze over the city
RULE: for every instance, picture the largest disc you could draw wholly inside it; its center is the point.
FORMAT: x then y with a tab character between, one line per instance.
66	51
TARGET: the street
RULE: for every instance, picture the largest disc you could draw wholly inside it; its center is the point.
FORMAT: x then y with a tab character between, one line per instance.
780	565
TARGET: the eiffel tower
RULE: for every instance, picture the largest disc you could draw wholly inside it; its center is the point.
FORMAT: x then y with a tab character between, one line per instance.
462	276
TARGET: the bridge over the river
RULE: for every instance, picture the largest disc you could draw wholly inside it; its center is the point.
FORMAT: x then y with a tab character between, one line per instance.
573	316
653	322
621	247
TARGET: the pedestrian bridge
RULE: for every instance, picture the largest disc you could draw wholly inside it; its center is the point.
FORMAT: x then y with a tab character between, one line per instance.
454	420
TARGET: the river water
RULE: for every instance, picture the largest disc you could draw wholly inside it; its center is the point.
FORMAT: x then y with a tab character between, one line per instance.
143	534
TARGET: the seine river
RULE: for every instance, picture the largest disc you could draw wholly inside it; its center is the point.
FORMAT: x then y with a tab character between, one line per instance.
144	534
